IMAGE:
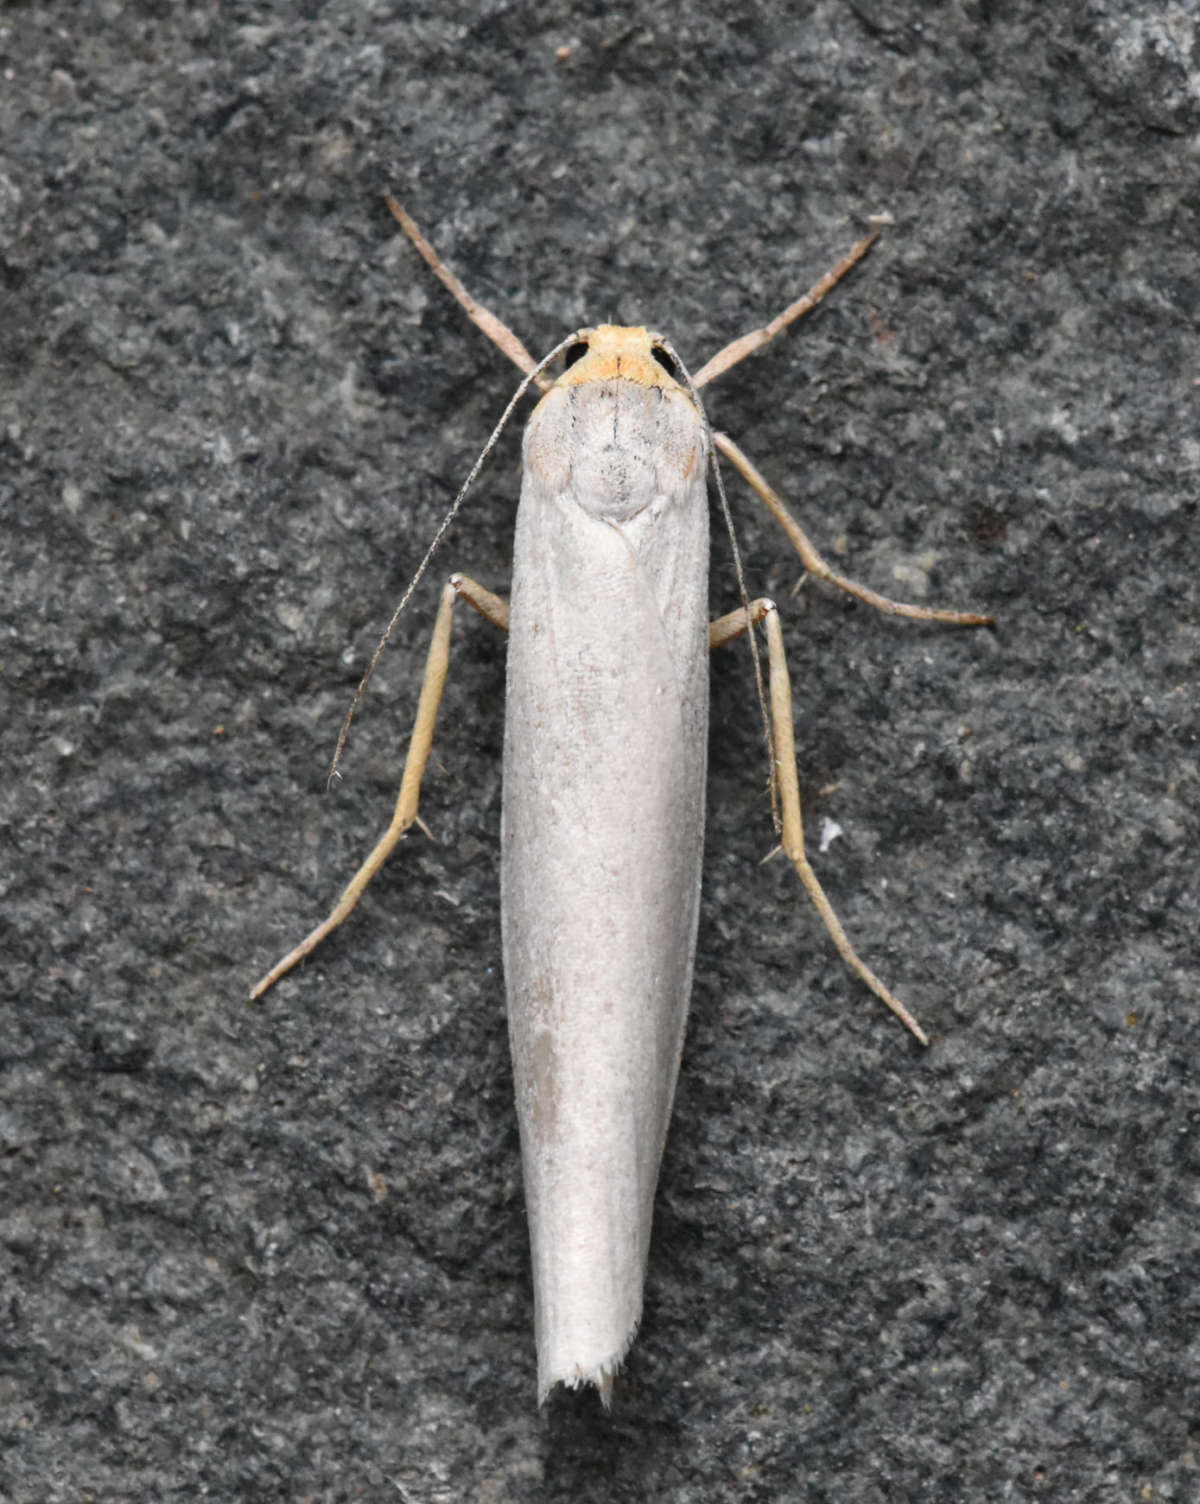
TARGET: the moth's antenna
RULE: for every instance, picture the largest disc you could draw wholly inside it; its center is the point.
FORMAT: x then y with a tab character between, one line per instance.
527	381
755	657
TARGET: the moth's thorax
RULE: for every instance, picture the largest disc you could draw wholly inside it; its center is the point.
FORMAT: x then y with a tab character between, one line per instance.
617	434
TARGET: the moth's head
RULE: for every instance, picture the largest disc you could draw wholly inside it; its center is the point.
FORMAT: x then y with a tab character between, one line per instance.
612	352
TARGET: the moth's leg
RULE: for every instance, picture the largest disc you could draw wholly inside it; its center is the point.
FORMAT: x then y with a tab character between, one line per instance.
817	566
436	665
499	333
726	628
747	344
783	743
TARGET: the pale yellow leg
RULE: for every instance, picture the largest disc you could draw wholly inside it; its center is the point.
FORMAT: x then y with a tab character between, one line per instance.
496	610
498	332
817	566
725	629
747	344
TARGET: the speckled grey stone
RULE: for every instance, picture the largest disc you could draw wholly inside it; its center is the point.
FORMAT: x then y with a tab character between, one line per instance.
278	1253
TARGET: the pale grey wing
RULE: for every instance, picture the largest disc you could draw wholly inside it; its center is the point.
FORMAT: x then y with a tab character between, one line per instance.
602	836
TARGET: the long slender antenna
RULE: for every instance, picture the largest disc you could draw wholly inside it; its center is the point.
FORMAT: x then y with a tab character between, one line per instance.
531	376
755	656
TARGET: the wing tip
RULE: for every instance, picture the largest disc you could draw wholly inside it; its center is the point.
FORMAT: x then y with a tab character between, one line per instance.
600	1375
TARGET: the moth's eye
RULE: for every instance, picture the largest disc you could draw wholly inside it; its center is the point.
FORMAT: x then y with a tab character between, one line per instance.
664	360
575	352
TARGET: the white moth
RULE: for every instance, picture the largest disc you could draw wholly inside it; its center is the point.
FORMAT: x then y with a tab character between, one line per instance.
603	811
606	729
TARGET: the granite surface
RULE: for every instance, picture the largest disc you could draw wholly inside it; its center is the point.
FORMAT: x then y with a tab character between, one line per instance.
278	1252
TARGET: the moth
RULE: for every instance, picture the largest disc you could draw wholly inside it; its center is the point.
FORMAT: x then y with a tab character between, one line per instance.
602	826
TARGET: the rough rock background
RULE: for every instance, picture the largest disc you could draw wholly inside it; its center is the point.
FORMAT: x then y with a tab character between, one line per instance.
279	1252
